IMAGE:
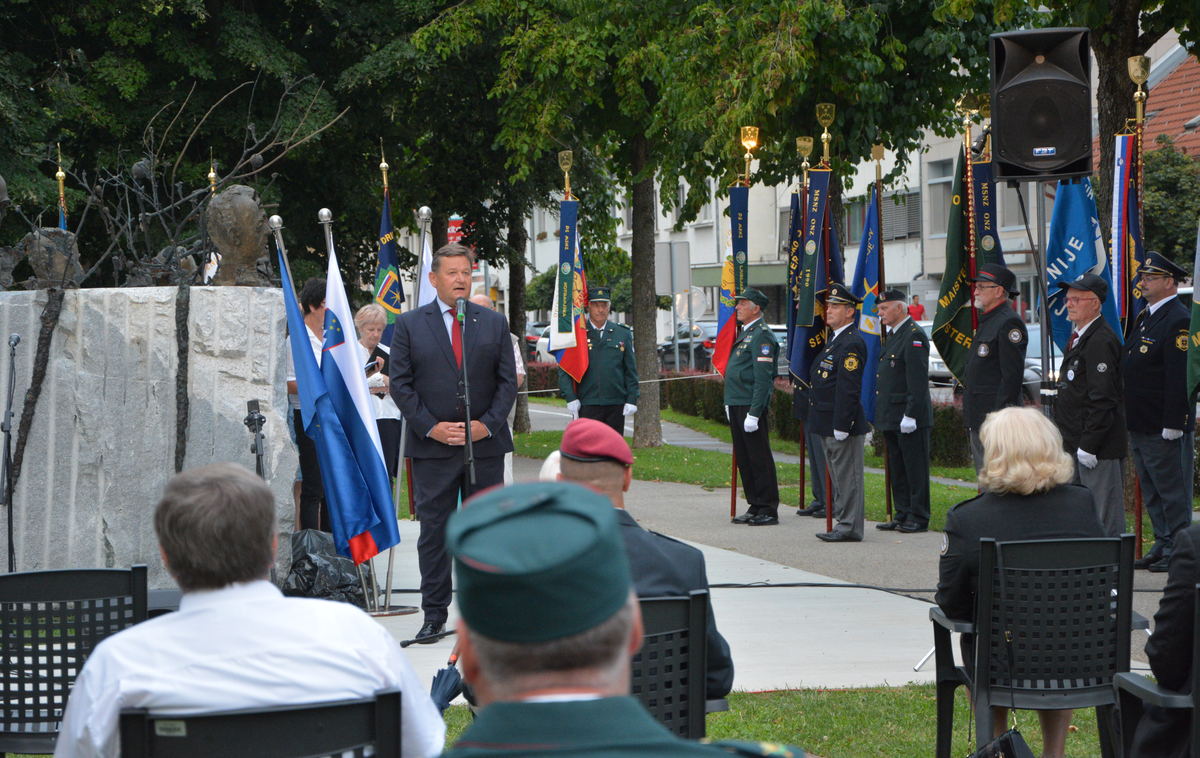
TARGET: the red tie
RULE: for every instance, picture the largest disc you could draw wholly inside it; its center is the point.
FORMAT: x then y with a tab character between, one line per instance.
455	337
1074	336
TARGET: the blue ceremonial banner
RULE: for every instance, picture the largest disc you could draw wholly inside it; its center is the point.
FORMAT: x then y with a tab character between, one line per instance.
866	286
816	224
388	292
809	339
986	218
735	275
795	243
1075	247
352	486
568	336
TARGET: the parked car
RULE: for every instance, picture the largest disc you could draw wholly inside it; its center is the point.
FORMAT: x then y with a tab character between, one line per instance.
1032	380
783	368
542	353
701	342
532	332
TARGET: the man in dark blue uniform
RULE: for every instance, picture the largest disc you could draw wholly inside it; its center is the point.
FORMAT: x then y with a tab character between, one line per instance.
836	412
995	367
1160	417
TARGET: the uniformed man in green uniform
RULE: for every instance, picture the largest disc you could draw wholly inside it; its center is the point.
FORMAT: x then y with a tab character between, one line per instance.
609	390
749	385
549	627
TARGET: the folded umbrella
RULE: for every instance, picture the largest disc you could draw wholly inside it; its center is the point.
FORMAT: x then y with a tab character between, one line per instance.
447	684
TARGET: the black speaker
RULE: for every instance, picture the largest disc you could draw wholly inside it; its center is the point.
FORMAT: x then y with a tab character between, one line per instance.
1041	104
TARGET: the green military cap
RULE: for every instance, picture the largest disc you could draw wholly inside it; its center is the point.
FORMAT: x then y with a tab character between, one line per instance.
538	562
753	296
599	295
840	293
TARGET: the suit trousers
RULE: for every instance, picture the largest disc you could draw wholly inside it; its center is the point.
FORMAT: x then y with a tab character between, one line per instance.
437	486
1107	483
313	512
755	462
816	465
908	467
976	450
607	414
1164	469
846	477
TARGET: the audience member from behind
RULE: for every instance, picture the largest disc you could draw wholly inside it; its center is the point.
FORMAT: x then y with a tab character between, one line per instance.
1026	497
593	454
236	641
549	627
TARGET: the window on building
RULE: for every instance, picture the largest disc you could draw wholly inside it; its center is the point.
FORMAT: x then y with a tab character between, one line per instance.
941	178
785	221
1010	208
901	216
706	210
680	200
855	218
627	212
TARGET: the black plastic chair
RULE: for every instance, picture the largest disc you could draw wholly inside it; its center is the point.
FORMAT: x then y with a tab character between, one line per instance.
669	671
1134	689
1070	633
294	731
50	622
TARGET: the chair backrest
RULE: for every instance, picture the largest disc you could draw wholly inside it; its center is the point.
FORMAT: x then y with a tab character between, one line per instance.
294	731
1068	606
669	671
50	621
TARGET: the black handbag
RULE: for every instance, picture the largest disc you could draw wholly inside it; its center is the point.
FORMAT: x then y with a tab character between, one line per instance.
1010	744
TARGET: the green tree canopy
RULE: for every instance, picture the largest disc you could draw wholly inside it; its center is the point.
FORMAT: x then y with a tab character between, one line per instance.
1171	202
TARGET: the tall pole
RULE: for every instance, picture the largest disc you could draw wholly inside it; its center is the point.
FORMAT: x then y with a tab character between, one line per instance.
877	155
804	146
966	108
1139	71
825	115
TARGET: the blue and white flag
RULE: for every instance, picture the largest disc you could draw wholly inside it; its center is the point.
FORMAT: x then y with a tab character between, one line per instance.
1075	247
866	286
424	288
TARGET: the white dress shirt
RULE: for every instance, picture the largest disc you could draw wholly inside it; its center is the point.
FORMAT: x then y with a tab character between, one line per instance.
243	646
316	341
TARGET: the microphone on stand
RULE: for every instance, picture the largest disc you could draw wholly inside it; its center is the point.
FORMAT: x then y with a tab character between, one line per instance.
14	340
460	309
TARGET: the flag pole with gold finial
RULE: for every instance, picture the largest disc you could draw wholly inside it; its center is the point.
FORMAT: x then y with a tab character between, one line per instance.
62	192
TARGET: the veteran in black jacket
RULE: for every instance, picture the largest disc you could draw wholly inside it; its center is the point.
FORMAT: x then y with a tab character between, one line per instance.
904	413
836	412
995	367
1090	407
1160	417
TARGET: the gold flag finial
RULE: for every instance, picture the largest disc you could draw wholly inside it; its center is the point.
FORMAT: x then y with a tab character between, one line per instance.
1139	72
212	172
566	159
749	141
804	146
60	176
825	114
383	166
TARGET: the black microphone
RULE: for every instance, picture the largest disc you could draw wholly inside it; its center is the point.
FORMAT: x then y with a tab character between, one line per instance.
460	306
14	340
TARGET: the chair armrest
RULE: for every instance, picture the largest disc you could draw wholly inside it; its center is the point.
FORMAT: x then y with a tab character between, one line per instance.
1151	692
1138	621
954	625
719	705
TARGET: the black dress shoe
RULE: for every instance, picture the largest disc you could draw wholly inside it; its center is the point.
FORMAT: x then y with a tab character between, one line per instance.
818	514
912	527
1147	561
837	537
810	510
889	526
763	519
429	633
1160	567
742	519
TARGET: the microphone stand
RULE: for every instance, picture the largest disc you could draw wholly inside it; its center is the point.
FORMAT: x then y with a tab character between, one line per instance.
468	449
6	464
254	422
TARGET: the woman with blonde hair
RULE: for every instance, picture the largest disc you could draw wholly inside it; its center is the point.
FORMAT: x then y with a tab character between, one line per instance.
1026	496
370	321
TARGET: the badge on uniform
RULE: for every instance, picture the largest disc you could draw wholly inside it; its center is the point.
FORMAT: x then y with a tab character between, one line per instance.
1102	367
851	363
766	349
893	363
622	347
1144	348
1181	342
1014	336
983	349
1070	376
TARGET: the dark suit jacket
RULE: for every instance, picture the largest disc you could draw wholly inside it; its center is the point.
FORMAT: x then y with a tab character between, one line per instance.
1156	365
425	378
1162	731
1090	407
1065	512
663	567
995	368
902	386
836	376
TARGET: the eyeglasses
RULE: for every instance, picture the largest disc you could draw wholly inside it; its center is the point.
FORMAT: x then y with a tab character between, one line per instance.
1078	300
988	287
1155	277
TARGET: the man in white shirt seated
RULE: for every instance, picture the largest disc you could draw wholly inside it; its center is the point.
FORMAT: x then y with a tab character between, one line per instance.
236	641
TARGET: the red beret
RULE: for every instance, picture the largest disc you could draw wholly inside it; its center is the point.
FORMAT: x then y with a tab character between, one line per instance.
589	441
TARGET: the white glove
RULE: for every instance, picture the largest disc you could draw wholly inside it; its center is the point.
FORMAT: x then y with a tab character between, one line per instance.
727	413
840	436
1172	434
1087	460
750	424
573	408
908	425
629	410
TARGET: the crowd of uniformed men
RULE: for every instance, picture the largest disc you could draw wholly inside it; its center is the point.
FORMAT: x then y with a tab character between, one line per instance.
1096	411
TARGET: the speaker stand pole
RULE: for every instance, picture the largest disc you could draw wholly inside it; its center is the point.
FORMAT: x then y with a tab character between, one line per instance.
6	464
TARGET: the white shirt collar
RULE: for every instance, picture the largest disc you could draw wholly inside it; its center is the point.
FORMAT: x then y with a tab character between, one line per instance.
241	592
1161	303
897	326
597	328
752	323
836	332
443	307
1079	330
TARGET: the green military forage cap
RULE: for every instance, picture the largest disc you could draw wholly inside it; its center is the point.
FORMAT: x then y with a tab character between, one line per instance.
538	562
753	296
599	295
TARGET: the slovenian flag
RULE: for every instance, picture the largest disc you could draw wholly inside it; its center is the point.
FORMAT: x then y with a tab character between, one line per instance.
1128	250
336	414
568	332
735	276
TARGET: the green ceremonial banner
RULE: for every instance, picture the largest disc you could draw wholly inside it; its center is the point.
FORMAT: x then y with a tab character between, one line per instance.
1193	359
952	329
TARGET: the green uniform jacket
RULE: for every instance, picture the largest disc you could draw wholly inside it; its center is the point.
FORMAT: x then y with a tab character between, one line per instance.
611	377
902	386
605	728
750	373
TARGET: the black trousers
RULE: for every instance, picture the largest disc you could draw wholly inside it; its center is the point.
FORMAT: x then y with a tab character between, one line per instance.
908	466
437	484
755	463
313	512
389	440
609	414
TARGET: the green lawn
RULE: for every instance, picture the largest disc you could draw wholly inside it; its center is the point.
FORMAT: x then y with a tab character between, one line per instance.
883	721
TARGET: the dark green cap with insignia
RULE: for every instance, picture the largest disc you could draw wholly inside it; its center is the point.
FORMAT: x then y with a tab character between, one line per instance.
753	296
538	562
840	293
599	295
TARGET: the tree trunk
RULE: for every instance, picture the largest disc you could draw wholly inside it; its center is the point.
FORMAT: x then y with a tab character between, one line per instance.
647	426
517	240
439	229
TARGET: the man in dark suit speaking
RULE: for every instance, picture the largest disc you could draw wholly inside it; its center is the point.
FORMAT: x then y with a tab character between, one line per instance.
426	383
